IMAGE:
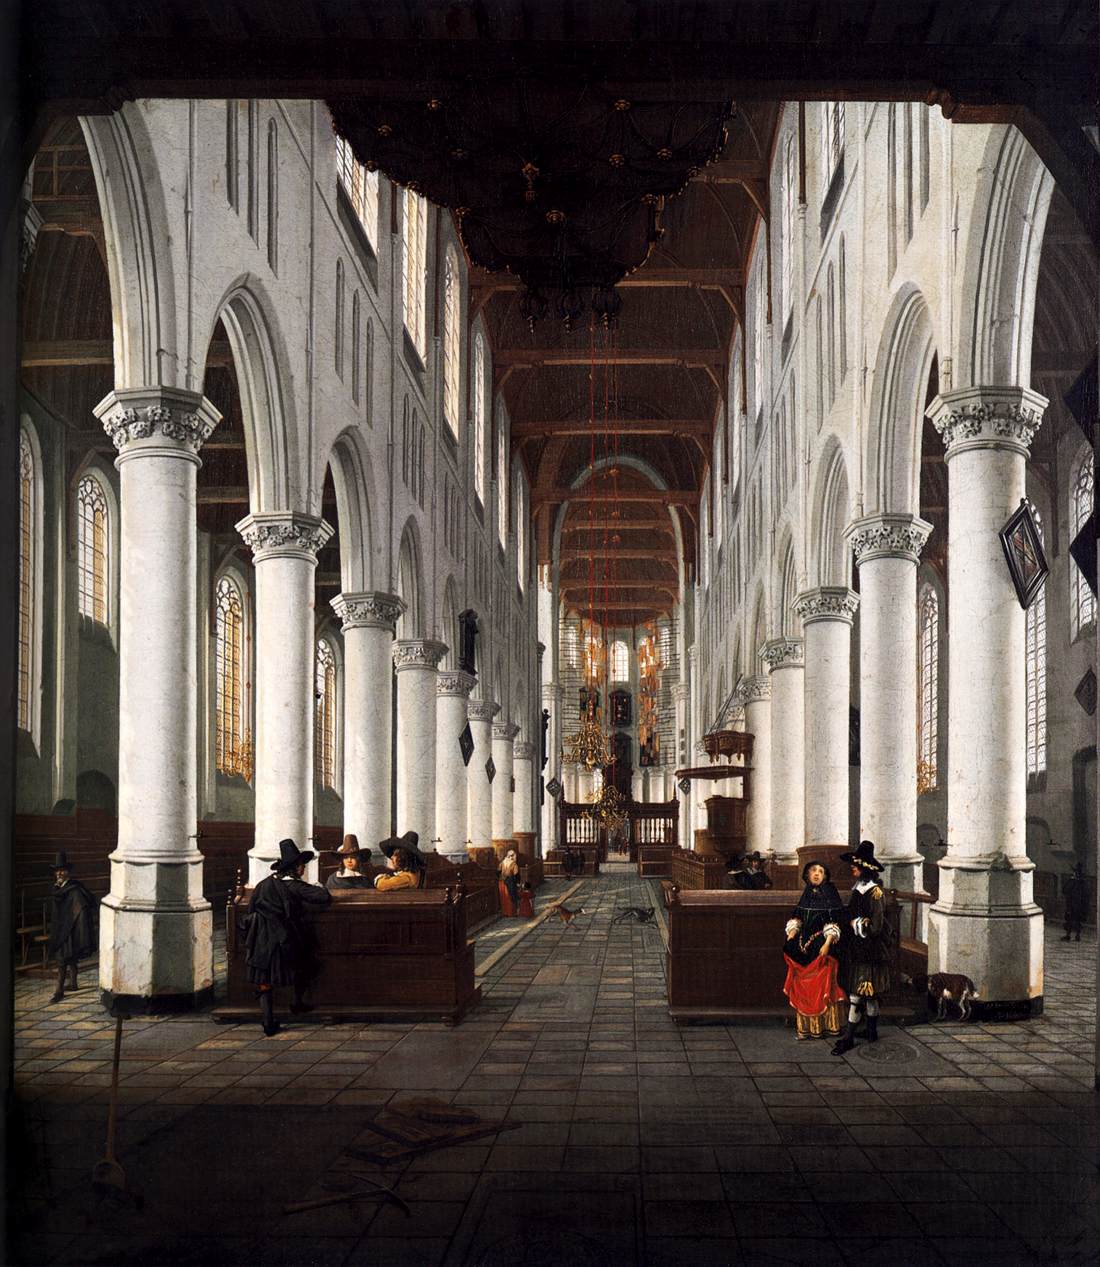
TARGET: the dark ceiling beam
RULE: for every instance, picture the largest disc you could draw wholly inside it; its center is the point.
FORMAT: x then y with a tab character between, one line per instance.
639	607
623	587
687	427
658	496
624	552
598	525
227	496
534	358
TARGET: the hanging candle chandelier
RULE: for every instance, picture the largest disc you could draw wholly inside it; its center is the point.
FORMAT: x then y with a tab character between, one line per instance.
588	746
608	808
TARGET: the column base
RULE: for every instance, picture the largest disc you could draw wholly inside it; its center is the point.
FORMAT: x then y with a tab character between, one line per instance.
156	1004
985	926
155	953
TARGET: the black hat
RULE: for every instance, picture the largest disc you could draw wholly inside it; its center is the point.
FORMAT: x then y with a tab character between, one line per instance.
290	857
409	842
61	862
864	858
752	857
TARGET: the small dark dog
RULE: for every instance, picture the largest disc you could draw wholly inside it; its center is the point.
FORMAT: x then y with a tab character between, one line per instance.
644	915
951	987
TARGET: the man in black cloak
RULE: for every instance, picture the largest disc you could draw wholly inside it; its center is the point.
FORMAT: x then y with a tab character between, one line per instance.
73	933
280	948
865	952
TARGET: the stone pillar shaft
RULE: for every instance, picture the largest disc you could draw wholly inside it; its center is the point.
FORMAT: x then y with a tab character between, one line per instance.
887	548
985	922
503	804
756	697
523	757
453	689
827	630
788	746
368	621
479	791
416	660
284	549
156	948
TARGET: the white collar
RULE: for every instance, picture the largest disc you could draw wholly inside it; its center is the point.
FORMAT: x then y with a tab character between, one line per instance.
344	874
865	885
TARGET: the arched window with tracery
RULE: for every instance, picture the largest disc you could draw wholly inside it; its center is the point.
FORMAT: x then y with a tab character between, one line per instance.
1036	679
479	417
928	686
1082	600
572	647
361	188
451	344
29	500
521	533
92	549
620	661
324	730
761	317
232	748
414	258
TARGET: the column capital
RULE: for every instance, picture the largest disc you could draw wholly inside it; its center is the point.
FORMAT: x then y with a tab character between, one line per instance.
166	421
455	682
987	418
417	653
481	709
680	692
887	536
524	751
827	602
505	730
283	534
368	609
783	653
755	690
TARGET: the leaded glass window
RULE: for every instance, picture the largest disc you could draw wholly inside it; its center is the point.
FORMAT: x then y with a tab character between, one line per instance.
92	546
451	342
324	735
1036	679
232	749
1082	599
928	675
361	188
414	262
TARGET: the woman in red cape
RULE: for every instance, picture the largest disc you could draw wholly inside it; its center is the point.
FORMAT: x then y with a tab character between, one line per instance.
813	932
509	884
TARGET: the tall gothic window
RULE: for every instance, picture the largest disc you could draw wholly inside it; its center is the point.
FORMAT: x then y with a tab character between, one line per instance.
502	480
738	425
928	686
231	750
92	549
361	188
1082	599
790	197
479	417
620	661
28	508
324	730
832	141
761	342
1036	681
842	316
572	649
414	257
451	346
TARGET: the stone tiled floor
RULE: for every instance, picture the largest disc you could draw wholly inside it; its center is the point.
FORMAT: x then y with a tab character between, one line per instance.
637	1140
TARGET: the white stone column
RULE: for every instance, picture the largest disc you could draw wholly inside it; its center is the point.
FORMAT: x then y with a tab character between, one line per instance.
416	661
503	814
284	549
479	802
523	758
827	614
368	620
787	761
551	701
156	929
452	690
756	696
680	698
887	548
986	923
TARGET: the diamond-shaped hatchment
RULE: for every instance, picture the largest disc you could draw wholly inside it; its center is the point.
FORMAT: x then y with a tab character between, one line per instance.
554	788
1085	694
466	744
490	769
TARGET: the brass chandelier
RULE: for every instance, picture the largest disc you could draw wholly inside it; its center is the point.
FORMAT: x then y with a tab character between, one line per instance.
588	746
608	808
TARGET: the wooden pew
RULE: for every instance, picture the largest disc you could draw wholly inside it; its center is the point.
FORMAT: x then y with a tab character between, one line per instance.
725	955
482	887
655	860
689	870
395	956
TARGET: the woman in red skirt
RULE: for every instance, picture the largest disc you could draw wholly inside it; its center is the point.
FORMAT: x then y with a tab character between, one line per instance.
813	933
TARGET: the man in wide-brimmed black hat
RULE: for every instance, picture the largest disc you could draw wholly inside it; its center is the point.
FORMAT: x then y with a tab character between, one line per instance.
404	863
73	934
864	970
749	872
280	948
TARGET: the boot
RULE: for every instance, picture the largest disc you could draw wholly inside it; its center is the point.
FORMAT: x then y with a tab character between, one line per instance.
847	1041
872	1029
73	970
59	993
267	1013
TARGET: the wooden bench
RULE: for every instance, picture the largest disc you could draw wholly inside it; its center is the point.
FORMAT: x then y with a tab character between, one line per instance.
689	870
384	956
725	955
655	860
481	884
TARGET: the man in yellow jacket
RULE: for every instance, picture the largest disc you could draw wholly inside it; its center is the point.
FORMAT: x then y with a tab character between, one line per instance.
404	863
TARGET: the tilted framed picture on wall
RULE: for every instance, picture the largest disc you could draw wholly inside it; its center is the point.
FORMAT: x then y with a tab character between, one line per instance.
1023	547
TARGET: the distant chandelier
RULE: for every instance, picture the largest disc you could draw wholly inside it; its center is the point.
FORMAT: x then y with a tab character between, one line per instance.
588	747
608	808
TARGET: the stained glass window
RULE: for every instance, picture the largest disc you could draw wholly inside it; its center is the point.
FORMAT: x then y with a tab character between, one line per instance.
928	676
361	188
1036	679
232	754
451	345
324	734
27	508
1082	599
414	263
92	545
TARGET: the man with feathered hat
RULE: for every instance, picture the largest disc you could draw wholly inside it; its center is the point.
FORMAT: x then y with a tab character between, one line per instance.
73	933
864	971
280	948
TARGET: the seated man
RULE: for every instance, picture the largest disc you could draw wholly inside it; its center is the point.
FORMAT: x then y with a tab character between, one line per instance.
348	875
753	875
404	863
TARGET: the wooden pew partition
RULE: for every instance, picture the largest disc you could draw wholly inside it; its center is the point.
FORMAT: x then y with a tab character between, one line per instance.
481	884
401	956
690	870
